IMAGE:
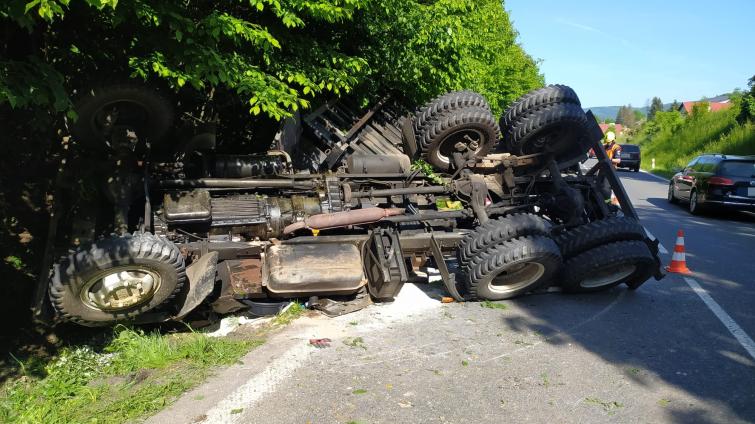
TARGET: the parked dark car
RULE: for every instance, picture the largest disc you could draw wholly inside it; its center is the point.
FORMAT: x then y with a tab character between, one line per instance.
630	157
715	181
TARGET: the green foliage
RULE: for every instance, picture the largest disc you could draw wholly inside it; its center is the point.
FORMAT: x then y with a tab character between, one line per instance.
137	374
673	140
747	108
275	55
656	105
627	117
425	48
674	106
428	170
289	315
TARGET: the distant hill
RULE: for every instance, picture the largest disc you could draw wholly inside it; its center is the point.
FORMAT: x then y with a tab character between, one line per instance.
603	112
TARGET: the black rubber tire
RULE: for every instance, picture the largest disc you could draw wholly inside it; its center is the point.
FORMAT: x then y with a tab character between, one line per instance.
589	236
536	99
670	196
694	206
446	127
589	264
540	251
444	103
498	230
149	112
637	168
72	272
559	129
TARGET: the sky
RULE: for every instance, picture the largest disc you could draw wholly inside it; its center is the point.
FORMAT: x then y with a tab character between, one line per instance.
620	52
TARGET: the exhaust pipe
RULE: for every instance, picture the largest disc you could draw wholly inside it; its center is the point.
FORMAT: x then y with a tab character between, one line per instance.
342	219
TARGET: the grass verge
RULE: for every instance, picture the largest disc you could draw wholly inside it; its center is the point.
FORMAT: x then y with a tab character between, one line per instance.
135	375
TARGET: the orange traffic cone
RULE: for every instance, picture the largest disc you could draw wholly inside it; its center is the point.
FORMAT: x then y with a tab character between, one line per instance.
678	262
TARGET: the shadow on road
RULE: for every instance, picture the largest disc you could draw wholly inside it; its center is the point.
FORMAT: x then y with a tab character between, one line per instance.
650	334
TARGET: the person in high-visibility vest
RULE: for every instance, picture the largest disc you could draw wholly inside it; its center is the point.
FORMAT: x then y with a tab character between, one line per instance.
613	151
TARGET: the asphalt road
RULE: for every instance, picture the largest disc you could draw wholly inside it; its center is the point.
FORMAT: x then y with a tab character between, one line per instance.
658	354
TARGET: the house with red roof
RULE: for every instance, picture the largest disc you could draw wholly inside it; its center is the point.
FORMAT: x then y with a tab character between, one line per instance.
686	107
618	128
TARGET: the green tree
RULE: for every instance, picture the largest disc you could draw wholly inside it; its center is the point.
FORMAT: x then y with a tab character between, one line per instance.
674	106
626	116
275	56
656	105
747	103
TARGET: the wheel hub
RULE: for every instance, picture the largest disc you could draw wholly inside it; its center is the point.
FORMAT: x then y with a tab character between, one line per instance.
608	276
121	288
516	276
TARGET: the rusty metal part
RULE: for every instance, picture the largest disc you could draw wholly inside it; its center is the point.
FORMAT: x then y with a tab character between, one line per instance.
201	280
245	277
342	219
400	191
240	183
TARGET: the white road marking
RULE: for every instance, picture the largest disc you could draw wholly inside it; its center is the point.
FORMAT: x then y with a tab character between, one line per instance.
665	180
727	321
660	246
410	301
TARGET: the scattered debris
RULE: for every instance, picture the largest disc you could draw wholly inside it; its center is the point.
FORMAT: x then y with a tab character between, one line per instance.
355	342
320	343
607	406
359	392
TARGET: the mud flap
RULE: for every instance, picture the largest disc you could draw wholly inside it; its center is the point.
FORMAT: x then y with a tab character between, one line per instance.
384	264
449	279
201	281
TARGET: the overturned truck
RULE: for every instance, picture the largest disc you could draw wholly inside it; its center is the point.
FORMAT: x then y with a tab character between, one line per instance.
147	231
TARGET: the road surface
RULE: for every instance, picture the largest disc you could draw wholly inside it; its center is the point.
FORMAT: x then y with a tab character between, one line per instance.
663	353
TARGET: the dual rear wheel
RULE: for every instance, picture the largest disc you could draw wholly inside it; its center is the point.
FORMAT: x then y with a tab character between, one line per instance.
516	254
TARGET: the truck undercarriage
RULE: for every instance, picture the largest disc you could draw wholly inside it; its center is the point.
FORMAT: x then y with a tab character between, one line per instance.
148	232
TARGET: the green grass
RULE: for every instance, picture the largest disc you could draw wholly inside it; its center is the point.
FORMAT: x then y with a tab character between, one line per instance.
492	305
673	146
290	314
135	375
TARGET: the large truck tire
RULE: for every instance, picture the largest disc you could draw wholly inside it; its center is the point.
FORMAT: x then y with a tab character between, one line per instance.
444	103
499	230
603	231
465	125
607	266
536	99
559	129
513	268
116	279
143	109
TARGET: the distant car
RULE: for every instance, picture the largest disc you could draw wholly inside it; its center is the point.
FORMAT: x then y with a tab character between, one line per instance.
715	181
630	157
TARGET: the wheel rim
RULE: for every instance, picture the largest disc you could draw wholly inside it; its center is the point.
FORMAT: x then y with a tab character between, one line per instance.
126	113
670	192
693	201
468	136
608	276
516	276
120	288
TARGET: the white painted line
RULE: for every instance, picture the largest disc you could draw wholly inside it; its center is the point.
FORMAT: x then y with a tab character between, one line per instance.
660	246
410	301
665	180
727	321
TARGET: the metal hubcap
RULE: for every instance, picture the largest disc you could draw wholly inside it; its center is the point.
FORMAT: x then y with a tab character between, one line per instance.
693	202
473	139
608	276
671	192
516	277
120	288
